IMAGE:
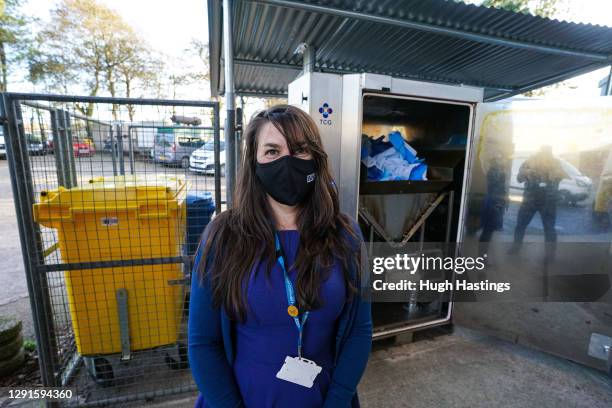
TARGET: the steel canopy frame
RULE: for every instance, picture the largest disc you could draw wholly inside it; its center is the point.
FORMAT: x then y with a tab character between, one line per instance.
484	38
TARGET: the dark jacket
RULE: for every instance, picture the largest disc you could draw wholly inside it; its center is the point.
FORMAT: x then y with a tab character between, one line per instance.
211	351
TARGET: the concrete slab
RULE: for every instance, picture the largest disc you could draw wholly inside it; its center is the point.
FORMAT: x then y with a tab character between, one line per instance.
467	369
12	274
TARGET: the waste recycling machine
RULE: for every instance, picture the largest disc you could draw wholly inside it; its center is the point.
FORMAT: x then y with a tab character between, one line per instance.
442	125
435	120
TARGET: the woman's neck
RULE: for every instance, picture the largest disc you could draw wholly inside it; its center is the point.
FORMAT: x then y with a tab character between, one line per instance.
285	216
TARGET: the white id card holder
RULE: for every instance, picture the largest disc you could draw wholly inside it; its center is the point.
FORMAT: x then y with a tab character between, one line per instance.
299	371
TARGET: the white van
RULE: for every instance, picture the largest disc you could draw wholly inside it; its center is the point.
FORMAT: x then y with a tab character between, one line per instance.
2	145
573	189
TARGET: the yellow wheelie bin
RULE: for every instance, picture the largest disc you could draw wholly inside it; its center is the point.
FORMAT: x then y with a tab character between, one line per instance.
120	219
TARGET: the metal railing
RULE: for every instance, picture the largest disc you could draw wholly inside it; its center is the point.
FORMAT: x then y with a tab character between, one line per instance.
108	255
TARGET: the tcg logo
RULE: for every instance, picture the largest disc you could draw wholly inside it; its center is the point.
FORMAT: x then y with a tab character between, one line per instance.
325	111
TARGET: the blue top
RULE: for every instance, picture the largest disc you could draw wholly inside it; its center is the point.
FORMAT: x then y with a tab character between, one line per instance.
269	335
235	364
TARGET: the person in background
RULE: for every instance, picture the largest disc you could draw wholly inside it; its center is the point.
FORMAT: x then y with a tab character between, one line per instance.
495	201
603	196
541	173
276	314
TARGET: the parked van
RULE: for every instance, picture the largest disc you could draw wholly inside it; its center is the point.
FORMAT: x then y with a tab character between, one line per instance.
174	146
35	145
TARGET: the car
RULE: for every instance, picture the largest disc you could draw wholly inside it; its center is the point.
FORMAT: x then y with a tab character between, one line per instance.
108	145
2	146
203	159
49	146
574	188
83	148
174	146
35	145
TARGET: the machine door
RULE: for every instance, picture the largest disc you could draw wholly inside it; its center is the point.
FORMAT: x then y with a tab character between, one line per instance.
412	205
538	203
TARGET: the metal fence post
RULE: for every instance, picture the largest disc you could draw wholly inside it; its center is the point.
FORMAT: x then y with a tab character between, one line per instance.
230	118
120	150
58	151
131	151
217	154
68	140
64	145
113	149
29	235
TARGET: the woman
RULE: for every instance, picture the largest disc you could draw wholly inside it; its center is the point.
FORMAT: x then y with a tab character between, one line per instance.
276	316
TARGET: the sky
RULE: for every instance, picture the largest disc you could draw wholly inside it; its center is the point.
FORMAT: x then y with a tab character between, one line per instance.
169	27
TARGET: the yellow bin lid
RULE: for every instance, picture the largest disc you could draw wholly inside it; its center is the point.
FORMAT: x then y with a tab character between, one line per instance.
150	195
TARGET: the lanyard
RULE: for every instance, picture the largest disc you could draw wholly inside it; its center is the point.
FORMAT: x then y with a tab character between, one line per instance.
292	309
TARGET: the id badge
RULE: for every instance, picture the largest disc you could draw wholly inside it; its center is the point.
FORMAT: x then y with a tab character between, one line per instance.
299	371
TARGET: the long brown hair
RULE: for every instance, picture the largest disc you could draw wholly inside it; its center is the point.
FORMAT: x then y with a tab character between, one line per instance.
244	235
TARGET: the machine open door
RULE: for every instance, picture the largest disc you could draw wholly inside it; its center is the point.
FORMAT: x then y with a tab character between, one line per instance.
422	210
538	202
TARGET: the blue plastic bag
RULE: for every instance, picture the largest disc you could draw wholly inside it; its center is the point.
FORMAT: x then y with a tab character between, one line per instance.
393	160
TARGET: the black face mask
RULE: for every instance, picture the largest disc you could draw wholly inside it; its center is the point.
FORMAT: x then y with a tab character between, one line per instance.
288	179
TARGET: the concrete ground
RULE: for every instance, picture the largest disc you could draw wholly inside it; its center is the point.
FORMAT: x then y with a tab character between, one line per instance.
13	290
468	369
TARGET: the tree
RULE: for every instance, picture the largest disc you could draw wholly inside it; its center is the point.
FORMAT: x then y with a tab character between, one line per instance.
14	38
139	69
516	6
200	49
87	47
542	8
192	68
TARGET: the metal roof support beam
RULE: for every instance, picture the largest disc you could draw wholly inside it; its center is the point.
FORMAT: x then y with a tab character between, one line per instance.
482	38
238	61
263	95
230	134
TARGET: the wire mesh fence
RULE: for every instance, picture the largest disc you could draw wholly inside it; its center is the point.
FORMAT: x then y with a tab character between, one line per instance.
112	196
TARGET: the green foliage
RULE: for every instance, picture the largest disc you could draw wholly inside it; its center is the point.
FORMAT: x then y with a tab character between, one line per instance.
14	39
29	345
542	8
516	6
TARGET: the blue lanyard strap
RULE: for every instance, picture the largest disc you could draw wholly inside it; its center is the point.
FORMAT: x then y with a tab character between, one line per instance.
290	294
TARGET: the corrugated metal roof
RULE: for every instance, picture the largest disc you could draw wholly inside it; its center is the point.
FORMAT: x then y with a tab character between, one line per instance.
434	40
